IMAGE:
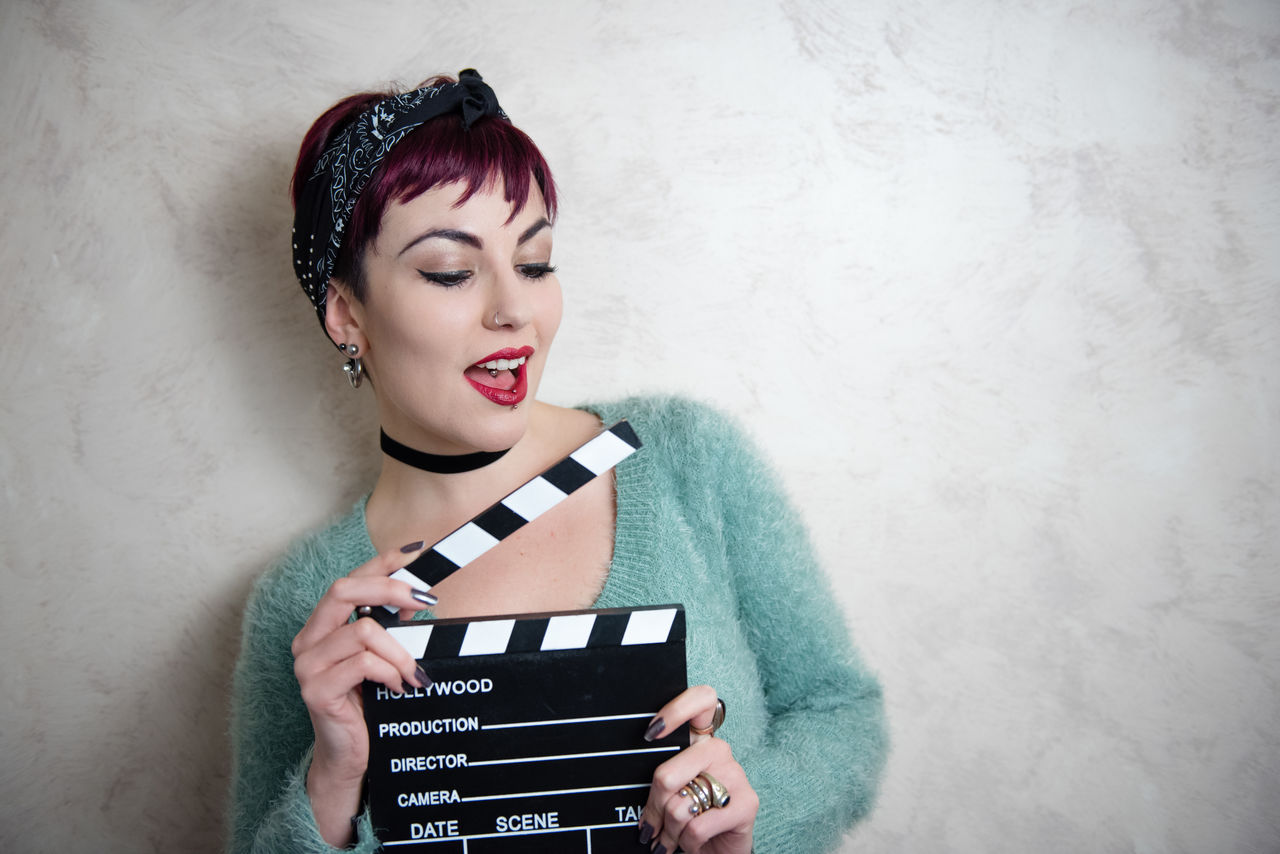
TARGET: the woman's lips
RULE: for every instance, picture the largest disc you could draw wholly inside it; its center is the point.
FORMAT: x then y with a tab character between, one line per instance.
501	377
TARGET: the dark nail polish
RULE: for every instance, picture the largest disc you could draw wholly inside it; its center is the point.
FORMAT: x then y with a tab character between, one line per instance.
426	597
411	547
646	832
654	728
422	676
661	849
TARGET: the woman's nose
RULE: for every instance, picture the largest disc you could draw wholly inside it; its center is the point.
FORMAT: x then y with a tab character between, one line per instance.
512	305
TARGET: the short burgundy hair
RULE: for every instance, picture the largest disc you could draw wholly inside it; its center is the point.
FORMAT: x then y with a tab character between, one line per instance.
441	151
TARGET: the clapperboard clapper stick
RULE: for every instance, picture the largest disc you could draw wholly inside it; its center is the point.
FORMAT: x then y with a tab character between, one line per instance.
523	505
531	737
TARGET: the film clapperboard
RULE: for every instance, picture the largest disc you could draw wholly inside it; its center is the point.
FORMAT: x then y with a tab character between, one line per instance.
531	737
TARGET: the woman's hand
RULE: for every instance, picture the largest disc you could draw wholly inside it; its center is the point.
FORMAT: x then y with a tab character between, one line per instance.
332	657
667	822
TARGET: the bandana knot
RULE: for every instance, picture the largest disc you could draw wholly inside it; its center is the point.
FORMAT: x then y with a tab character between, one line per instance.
480	100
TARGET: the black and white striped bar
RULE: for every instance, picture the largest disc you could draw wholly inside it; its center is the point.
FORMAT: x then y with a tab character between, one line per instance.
539	633
531	738
522	506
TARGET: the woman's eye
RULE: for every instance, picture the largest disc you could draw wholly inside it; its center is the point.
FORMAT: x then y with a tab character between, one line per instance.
535	271
447	278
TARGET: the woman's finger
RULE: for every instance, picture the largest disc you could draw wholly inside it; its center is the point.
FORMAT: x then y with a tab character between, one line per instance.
737	818
331	688
368	584
668	779
349	641
388	562
347	594
671	819
694	705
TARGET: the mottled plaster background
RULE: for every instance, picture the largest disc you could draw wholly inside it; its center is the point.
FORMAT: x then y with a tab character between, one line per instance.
996	284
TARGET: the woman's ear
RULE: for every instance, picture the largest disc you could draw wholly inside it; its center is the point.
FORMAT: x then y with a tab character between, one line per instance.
342	317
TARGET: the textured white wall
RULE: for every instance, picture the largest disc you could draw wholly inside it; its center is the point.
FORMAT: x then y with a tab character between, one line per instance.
997	284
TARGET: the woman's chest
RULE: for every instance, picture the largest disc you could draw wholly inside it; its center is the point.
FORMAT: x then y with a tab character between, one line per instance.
557	562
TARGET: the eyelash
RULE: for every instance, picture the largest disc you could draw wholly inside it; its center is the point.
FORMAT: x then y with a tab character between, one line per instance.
449	279
456	278
535	271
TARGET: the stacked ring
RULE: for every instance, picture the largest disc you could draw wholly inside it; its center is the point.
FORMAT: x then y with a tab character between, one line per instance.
706	793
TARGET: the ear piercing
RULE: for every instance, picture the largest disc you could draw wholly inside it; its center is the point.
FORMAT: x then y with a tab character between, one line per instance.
353	367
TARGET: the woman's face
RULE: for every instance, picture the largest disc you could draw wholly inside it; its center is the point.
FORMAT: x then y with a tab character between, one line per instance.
457	294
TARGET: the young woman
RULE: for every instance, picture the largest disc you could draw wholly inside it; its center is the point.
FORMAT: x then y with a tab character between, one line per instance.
423	237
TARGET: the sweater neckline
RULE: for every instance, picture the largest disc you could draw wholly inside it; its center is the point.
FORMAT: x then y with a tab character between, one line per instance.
624	585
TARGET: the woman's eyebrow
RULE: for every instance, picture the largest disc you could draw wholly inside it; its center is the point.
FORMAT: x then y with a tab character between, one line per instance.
469	238
533	229
444	234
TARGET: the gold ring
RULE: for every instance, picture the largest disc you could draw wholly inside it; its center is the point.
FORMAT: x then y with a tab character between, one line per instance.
717	720
719	795
699	794
694	809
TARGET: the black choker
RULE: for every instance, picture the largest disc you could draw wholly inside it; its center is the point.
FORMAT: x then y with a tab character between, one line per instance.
438	463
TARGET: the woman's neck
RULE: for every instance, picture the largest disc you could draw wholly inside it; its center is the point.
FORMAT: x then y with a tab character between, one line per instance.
408	503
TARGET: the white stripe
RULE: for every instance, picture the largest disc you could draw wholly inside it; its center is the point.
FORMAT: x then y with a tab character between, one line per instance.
522	759
560	721
534	498
466	544
403	574
553	792
602	453
648	626
568	632
487	637
412	638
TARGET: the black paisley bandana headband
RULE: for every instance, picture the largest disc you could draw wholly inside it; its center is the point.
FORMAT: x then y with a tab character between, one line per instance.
347	164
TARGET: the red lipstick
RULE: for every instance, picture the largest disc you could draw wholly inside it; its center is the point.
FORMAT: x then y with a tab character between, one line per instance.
507	353
504	396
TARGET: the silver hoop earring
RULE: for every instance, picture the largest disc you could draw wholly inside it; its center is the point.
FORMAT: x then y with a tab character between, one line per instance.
354	369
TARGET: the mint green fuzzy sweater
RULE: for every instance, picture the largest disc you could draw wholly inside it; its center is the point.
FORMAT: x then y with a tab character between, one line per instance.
702	521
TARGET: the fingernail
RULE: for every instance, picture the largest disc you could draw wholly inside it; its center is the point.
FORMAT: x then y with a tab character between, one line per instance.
425	597
411	547
422	676
654	728
646	832
661	849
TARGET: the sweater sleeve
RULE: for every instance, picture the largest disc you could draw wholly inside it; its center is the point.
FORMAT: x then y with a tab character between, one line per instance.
818	767
271	735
